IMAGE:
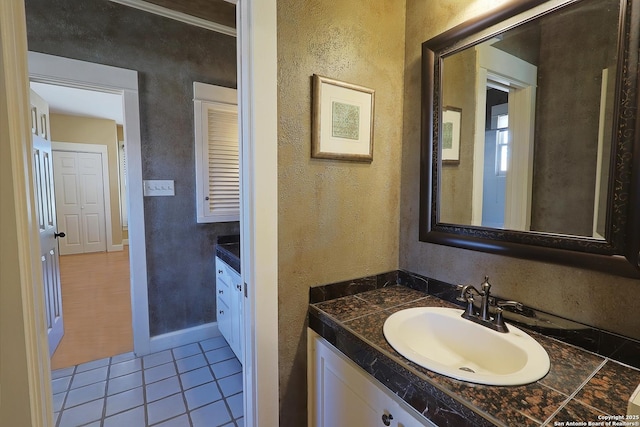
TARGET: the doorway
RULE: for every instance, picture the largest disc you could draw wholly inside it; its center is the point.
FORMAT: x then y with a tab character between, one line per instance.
502	78
94	272
122	84
496	158
260	181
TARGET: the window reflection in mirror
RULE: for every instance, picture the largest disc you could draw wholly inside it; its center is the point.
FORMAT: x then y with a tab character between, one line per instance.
547	168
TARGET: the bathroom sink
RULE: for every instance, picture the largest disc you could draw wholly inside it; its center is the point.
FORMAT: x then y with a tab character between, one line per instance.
438	339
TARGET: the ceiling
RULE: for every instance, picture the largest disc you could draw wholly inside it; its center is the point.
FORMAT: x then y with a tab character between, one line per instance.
80	102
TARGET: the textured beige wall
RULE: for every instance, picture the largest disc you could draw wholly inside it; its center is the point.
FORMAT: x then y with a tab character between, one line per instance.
591	297
84	130
456	193
337	220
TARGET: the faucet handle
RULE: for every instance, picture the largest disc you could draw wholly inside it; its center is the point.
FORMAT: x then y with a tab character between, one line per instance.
498	321
462	297
515	304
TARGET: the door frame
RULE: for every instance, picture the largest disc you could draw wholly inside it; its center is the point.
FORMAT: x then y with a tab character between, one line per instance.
521	77
51	69
29	378
256	23
73	147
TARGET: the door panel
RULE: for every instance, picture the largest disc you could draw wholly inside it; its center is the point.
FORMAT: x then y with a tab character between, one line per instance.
71	224
65	166
89	187
92	199
92	227
80	201
42	165
71	193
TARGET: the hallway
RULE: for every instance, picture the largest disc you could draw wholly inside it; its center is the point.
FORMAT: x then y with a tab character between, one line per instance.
96	307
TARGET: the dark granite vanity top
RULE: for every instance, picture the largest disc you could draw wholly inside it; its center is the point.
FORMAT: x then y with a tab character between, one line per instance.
228	250
581	386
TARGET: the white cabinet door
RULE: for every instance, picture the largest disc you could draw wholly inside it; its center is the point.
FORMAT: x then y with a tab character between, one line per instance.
217	153
341	394
224	319
230	299
236	321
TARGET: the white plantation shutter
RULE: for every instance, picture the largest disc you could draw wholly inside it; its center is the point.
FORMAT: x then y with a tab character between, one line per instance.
217	155
224	168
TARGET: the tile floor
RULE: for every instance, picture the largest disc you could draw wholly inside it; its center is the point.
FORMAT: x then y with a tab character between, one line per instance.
196	385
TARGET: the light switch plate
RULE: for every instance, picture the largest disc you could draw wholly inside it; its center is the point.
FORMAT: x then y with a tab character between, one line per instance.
159	187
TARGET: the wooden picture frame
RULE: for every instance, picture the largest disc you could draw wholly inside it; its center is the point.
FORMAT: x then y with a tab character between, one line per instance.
342	120
451	119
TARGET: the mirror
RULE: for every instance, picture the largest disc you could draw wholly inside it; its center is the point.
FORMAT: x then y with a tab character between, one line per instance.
528	131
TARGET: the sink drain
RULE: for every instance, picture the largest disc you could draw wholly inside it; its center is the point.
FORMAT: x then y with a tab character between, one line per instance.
464	368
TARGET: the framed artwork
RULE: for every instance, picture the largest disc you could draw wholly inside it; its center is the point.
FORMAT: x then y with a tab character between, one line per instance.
342	120
451	118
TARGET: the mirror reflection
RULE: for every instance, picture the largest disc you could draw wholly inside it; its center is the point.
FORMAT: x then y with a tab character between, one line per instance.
527	115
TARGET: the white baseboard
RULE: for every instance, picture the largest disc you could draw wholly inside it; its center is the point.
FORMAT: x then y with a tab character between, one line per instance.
183	337
125	242
115	248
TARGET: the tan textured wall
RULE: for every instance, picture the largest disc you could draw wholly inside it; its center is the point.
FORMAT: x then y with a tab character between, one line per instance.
591	297
337	220
457	189
84	130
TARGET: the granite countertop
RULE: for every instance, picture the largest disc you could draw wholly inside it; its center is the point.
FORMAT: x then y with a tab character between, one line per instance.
228	250
581	386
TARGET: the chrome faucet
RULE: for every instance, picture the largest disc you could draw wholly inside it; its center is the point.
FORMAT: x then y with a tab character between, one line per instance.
484	317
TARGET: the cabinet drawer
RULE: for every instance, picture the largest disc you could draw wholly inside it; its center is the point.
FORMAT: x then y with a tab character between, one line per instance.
222	271
223	288
223	315
226	273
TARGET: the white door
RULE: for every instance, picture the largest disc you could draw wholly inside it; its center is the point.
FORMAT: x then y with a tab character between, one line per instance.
79	189
43	175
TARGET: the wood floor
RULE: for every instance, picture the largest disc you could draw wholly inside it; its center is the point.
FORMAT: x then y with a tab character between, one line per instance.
96	307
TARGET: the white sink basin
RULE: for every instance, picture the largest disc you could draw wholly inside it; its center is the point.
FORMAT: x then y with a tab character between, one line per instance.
438	339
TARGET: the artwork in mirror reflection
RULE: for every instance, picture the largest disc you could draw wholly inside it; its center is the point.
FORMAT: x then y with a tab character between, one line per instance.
536	101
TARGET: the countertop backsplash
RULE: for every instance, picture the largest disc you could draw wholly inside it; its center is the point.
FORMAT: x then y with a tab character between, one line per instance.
604	343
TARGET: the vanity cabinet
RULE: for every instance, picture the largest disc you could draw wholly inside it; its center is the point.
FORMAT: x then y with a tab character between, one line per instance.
229	299
341	394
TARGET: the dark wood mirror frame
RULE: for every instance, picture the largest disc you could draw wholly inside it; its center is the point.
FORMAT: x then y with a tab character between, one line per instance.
619	253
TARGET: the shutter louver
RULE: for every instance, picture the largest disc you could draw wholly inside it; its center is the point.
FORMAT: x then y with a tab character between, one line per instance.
217	149
223	162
